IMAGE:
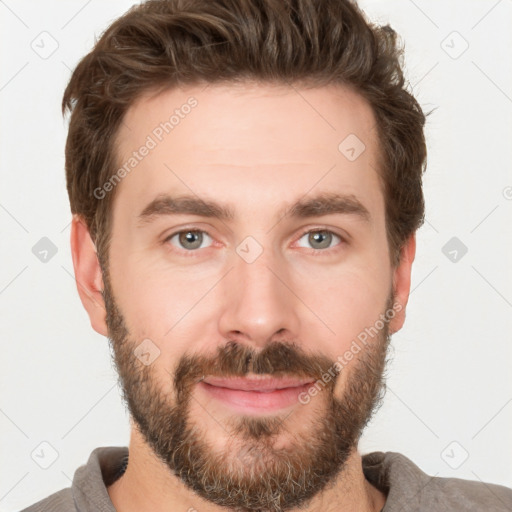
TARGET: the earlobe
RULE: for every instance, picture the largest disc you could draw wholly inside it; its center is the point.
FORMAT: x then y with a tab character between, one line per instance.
402	283
88	276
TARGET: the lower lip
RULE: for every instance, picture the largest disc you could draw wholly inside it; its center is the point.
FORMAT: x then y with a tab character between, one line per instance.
256	401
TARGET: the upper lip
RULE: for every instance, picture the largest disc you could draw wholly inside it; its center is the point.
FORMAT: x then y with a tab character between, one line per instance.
256	383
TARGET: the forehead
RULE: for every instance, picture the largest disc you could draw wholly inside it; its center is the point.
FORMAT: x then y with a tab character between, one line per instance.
250	146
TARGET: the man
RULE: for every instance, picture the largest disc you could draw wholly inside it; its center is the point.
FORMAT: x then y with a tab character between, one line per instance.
245	181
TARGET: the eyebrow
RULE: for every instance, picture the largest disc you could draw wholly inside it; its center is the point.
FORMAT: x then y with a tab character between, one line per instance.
320	205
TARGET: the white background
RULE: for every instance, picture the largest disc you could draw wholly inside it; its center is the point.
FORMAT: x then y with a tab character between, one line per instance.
449	387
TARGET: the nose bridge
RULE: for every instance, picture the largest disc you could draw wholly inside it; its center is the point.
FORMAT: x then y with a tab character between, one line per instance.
257	303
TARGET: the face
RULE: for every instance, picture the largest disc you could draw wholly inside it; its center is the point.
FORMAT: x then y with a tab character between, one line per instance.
249	244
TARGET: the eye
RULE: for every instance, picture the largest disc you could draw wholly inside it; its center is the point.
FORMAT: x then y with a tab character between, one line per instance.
320	239
190	239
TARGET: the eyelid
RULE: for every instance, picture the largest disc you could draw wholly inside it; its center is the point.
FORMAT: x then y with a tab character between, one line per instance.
186	229
343	238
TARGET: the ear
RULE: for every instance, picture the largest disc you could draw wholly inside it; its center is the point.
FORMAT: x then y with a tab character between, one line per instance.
402	283
88	276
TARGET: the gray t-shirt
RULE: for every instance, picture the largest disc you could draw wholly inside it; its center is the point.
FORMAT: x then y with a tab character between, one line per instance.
407	488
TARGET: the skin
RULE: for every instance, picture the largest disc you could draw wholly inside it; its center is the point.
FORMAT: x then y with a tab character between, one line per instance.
256	149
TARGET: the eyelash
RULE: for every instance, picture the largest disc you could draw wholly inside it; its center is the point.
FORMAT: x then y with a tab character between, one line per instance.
312	252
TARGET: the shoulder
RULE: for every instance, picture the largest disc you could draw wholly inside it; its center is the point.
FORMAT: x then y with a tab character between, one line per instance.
408	487
472	495
61	501
88	491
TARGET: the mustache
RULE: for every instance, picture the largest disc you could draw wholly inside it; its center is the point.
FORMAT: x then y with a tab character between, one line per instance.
233	359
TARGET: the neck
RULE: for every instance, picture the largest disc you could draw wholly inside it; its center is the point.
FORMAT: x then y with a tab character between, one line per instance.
148	486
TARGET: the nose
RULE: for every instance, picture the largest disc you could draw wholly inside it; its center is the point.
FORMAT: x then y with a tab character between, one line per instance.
259	304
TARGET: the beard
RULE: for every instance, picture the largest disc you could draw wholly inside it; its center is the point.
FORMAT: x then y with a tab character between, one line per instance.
252	472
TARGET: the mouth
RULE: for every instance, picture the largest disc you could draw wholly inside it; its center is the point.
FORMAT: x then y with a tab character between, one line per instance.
255	394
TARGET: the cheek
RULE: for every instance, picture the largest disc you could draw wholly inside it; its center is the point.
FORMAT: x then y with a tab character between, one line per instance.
352	301
153	306
166	306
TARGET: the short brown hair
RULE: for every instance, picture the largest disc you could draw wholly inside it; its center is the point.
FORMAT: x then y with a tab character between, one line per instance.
162	44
